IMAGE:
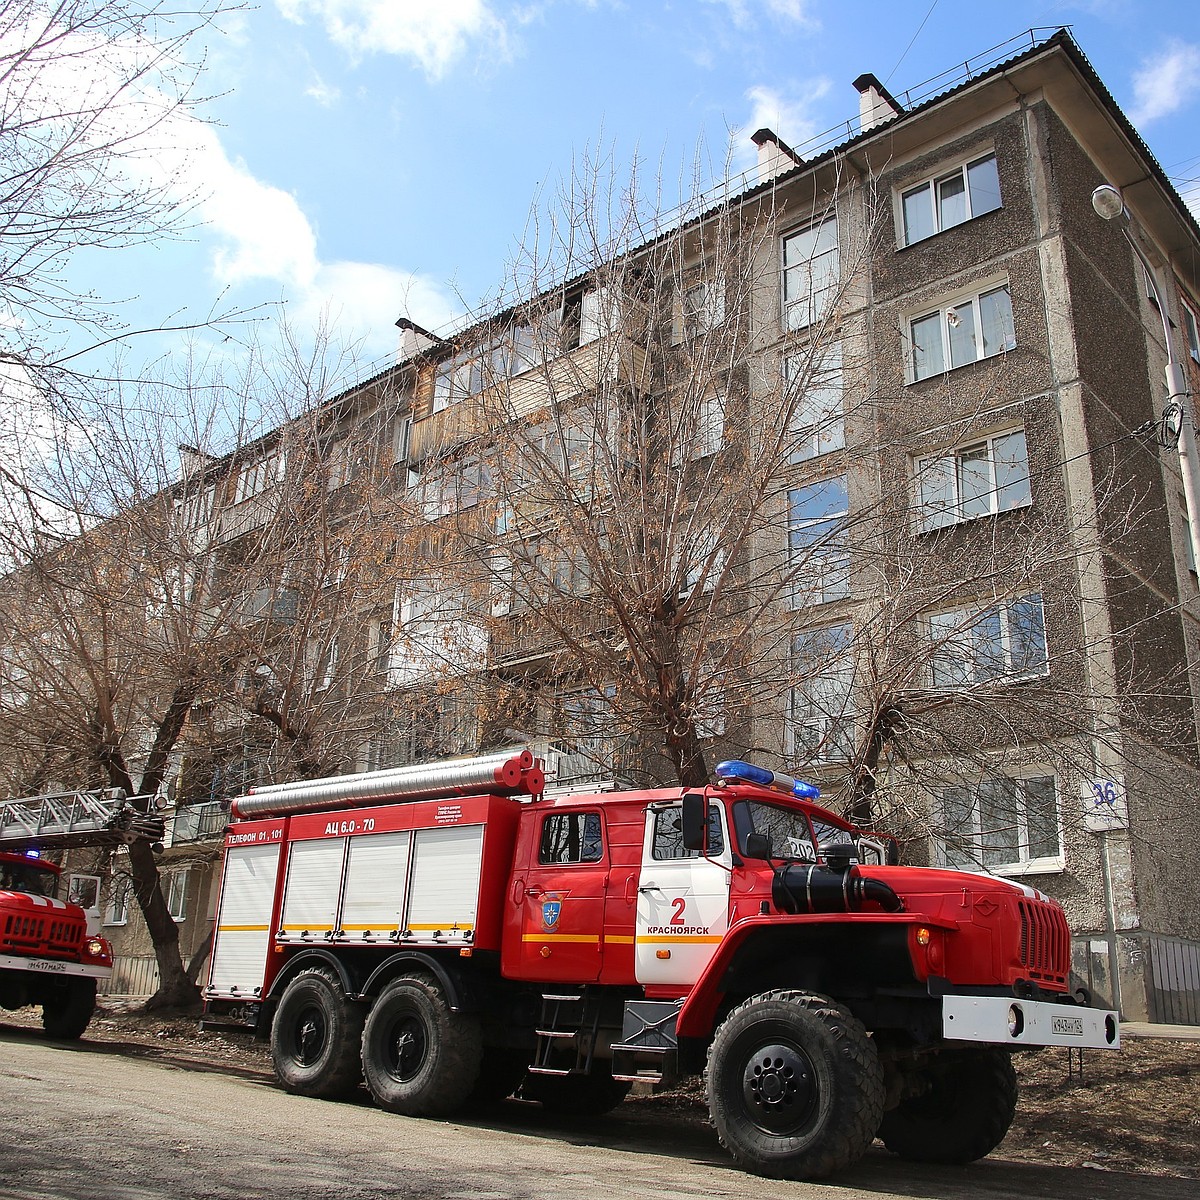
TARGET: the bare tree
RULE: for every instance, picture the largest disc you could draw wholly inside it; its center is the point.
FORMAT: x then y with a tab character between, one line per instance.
622	466
89	92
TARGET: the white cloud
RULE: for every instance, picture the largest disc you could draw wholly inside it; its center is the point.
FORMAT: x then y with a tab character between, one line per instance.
435	33
325	94
790	115
741	12
255	233
1167	83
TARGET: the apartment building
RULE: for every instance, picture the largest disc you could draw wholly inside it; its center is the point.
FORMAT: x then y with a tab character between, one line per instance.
862	467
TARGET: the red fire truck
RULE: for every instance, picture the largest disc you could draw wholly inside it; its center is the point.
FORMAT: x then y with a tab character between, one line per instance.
50	952
452	936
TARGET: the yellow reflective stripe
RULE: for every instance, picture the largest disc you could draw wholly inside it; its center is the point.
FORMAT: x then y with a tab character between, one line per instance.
303	928
580	938
619	940
243	928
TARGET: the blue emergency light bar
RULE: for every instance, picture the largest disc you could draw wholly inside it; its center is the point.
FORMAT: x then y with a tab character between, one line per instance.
737	771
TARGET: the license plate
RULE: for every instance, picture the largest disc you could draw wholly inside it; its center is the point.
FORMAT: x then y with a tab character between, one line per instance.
1067	1026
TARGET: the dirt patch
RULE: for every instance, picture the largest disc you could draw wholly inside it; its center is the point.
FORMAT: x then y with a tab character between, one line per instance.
1134	1110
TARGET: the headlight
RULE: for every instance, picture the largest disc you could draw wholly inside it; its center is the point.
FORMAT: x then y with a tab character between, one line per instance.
94	946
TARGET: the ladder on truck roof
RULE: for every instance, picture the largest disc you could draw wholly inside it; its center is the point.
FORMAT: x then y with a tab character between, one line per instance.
102	817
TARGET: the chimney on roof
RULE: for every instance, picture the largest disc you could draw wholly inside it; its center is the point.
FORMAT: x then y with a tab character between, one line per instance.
191	461
775	156
875	103
413	340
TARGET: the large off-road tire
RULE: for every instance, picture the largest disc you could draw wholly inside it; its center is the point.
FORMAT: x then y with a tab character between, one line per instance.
964	1112
419	1058
68	1007
315	1036
576	1095
794	1084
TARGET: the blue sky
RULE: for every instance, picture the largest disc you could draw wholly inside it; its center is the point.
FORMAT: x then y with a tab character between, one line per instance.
373	158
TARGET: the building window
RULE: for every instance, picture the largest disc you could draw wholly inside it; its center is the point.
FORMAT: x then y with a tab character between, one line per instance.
571	837
177	895
701	307
327	668
1004	641
587	748
820	724
814	391
699	561
819	563
965	331
987	477
970	190
810	273
1002	824
1191	330
117	911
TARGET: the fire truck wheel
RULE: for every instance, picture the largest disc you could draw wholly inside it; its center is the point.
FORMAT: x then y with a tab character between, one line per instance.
315	1036
968	1103
67	1011
794	1084
576	1095
419	1058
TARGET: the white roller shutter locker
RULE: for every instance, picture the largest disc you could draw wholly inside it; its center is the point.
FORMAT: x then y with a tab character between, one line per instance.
445	882
243	921
314	882
376	874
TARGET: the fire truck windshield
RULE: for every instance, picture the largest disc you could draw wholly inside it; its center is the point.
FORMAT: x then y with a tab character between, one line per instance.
788	831
27	876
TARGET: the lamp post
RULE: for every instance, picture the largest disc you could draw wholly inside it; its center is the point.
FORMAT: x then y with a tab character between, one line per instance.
1177	419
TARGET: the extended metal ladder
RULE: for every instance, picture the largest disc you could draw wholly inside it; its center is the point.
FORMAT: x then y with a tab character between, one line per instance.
105	816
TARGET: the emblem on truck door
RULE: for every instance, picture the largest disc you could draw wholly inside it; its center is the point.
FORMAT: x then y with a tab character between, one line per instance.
551	911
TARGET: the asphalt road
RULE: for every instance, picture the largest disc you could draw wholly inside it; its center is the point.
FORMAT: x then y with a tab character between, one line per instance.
96	1120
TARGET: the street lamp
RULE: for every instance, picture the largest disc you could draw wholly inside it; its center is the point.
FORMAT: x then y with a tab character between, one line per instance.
1177	418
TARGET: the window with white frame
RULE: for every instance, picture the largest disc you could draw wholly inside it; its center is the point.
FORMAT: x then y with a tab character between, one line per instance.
820	720
810	273
701	307
963	331
327	668
969	190
698	427
1191	330
257	476
699	562
819	561
1002	823
709	701
177	883
587	746
977	480
116	911
814	389
1004	641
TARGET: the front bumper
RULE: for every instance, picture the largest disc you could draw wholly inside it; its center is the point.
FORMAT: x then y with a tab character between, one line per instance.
53	966
1007	1021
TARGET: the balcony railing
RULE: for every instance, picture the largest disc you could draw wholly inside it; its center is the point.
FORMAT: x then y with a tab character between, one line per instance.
199	822
558	381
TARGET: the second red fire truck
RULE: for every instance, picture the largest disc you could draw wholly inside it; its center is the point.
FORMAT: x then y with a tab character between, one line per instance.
450	937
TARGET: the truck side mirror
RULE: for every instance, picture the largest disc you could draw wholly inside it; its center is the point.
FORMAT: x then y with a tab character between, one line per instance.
758	845
695	822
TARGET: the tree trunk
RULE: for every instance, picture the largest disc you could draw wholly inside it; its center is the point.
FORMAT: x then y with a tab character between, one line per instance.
175	989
